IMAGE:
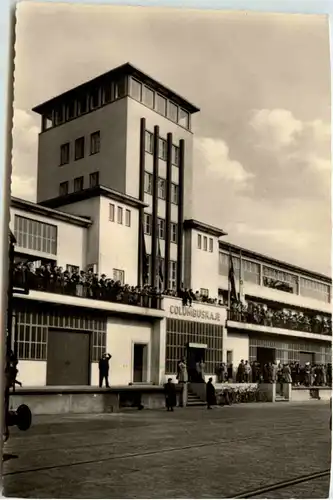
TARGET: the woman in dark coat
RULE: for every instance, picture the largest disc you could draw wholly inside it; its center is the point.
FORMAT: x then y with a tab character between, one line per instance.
210	394
170	395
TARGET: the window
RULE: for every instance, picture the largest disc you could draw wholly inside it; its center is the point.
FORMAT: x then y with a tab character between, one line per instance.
184	118
107	93
95	143
199	241
35	235
78	184
148	183
148	96
71	110
315	289
281	280
211	245
59	115
94	179
63	188
204	292
119	275
64	153
174	194
120	215
82	104
95	98
149	142
175	155
172	275
161	228
136	89
251	271
173	112
111	212
161	104
162	149
173	232
147	220
120	88
127	218
79	148
205	243
161	188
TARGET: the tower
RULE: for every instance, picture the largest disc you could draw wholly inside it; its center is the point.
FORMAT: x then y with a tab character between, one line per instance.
122	136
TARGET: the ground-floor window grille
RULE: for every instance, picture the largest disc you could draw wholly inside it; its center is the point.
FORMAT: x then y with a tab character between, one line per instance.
33	324
180	332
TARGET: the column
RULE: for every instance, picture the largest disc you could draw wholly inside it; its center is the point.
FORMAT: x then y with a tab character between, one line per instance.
141	197
168	212
180	214
155	208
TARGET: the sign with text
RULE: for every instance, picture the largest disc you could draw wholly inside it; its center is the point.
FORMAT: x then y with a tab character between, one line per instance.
192	312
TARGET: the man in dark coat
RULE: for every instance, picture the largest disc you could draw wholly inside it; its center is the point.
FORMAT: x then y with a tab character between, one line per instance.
210	394
103	366
170	395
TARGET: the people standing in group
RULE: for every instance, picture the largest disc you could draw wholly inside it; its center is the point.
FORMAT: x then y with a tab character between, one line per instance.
210	394
241	372
200	368
247	372
104	368
170	395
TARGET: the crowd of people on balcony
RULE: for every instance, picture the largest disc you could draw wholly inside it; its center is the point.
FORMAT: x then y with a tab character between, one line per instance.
315	374
86	284
261	314
188	296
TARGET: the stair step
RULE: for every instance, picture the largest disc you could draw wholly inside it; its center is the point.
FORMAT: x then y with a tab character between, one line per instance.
195	403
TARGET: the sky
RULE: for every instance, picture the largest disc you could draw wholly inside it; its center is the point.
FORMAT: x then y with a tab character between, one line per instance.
261	162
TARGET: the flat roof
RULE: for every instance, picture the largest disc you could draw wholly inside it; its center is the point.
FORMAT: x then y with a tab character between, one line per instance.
124	69
39	209
85	194
265	259
205	228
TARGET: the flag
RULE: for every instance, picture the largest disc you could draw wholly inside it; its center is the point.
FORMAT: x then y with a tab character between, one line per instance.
241	281
232	280
145	258
160	264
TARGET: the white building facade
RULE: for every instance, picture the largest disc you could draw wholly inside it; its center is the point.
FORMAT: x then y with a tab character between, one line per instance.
114	194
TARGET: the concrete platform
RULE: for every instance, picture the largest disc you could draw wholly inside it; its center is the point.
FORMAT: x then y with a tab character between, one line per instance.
54	400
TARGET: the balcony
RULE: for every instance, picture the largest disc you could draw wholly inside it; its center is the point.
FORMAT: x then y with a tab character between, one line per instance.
283	319
107	291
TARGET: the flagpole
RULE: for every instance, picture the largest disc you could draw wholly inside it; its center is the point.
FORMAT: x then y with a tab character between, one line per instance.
229	284
240	276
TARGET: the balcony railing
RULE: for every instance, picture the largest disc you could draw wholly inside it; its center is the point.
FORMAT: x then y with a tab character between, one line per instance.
134	296
300	324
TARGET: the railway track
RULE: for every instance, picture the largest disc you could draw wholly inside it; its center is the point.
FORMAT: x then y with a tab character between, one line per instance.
283	484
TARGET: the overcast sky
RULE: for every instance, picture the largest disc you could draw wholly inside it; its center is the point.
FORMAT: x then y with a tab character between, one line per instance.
262	139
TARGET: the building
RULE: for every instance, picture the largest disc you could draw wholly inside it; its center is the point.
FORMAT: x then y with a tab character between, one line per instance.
114	194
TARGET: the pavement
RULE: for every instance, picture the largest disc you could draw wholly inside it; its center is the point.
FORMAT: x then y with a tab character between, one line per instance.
191	453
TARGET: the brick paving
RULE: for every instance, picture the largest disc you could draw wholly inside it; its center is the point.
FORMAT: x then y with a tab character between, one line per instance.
191	453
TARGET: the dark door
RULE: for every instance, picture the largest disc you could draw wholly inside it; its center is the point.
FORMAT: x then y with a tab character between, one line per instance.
265	355
194	356
140	363
68	358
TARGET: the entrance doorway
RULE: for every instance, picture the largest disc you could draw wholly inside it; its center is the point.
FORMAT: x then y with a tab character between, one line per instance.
68	358
265	355
195	354
306	357
140	363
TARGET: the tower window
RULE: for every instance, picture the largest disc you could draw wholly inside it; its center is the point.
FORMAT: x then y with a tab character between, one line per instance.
94	179
79	148
95	143
136	89
161	104
147	223
82	104
174	194
127	218
149	142
184	118
63	188
78	184
64	153
175	155
162	149
120	215
119	88
173	232
173	112
148	183
161	189
95	98
148	97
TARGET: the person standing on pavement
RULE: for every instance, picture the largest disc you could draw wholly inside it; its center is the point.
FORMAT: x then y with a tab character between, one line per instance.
170	395
104	368
210	394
